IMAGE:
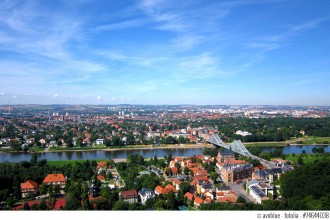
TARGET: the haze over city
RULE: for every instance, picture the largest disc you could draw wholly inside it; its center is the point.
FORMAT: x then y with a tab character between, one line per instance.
165	52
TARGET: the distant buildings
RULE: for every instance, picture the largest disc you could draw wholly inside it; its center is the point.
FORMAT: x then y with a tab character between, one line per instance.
243	133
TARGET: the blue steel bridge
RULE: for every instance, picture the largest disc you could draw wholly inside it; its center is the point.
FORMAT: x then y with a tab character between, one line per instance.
235	146
238	147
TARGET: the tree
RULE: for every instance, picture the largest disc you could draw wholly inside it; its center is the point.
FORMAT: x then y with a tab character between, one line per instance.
121	205
240	199
186	170
155	160
73	197
26	206
171	201
213	176
34	159
300	160
184	187
168	171
130	139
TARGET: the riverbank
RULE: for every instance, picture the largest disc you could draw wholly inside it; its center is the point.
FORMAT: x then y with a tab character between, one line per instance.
314	141
131	147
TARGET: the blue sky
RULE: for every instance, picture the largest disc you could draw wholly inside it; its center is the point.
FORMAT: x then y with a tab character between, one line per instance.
165	52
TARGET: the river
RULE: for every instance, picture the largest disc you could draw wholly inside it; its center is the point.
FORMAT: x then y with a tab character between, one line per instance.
119	154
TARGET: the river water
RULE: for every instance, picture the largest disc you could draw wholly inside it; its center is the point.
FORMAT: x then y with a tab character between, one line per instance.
119	154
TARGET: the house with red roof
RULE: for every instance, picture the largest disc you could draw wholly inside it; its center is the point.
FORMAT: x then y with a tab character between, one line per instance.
176	183
129	196
55	179
101	177
226	196
198	201
189	196
28	188
160	190
175	170
59	204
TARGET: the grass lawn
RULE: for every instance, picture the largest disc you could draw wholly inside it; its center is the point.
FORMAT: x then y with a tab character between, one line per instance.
314	140
72	162
307	158
266	144
36	149
121	182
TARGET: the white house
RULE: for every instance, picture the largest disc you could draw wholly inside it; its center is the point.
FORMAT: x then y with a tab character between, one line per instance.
242	133
99	141
257	194
146	194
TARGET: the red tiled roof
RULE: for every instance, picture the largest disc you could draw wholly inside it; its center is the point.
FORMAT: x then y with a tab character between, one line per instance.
176	181
191	165
101	164
100	177
194	170
198	201
129	194
201	178
188	195
202	172
29	185
193	183
50	178
166	190
229	196
175	170
60	202
208	200
227	199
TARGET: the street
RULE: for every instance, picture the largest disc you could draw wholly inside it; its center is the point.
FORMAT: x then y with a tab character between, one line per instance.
240	191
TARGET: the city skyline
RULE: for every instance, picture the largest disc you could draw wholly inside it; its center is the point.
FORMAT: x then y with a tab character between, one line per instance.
161	52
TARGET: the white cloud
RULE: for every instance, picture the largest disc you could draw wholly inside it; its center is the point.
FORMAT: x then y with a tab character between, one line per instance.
121	25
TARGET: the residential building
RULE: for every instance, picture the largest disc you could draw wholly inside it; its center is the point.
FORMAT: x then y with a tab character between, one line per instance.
28	188
146	194
176	183
160	190
55	179
226	196
226	155
270	174
198	202
189	196
99	141
129	196
231	173
257	194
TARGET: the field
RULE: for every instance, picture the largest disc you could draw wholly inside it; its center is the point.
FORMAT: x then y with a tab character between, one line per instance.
66	162
307	158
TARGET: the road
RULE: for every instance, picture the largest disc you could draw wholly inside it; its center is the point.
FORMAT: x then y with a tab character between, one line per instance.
240	191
